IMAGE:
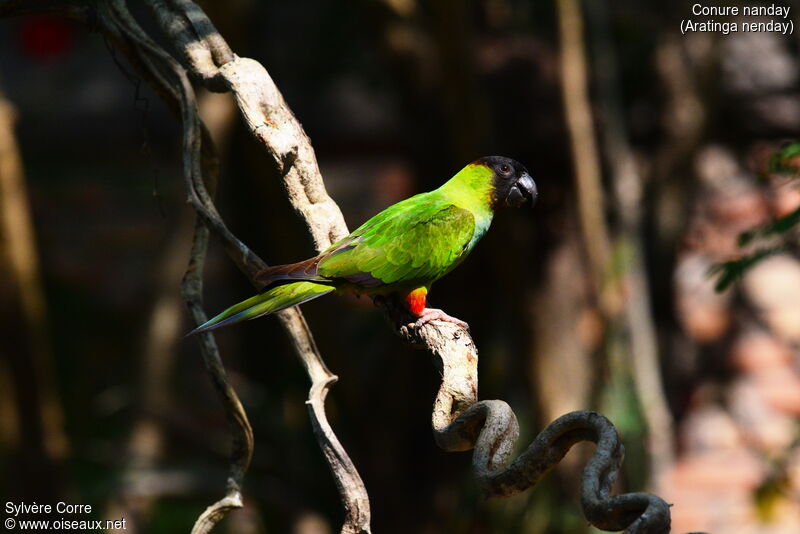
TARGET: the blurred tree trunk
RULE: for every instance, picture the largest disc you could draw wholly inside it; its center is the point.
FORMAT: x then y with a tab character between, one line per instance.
41	442
585	155
627	186
566	334
623	296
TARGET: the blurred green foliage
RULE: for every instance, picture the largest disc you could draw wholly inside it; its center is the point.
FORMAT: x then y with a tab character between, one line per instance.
784	162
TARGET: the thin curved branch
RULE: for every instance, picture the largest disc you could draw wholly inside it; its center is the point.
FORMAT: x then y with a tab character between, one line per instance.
200	163
492	426
170	81
354	496
461	422
242	432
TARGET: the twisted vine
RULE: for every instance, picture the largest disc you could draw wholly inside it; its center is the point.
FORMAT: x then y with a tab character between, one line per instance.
460	421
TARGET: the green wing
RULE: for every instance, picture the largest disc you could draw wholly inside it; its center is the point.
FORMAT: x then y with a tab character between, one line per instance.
413	242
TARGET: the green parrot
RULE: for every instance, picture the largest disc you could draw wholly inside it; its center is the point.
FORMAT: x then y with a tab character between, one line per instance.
402	250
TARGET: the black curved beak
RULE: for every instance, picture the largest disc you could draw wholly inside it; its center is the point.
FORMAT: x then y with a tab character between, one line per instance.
522	192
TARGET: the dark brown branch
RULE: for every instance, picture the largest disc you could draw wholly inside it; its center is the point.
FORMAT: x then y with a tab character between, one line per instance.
492	426
200	166
242	432
165	70
461	423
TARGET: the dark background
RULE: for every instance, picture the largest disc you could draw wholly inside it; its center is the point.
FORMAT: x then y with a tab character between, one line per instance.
103	402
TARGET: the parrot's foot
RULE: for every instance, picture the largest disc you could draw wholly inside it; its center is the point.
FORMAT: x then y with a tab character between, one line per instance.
435	314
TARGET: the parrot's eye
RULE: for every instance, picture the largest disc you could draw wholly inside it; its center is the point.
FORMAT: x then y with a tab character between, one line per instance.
505	170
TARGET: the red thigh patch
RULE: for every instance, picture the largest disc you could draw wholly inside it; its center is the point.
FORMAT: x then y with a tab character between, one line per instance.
416	300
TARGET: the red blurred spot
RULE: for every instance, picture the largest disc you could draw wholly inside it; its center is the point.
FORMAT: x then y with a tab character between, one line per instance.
45	37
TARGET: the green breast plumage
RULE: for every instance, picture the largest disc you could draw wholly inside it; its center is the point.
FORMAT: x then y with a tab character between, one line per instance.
412	243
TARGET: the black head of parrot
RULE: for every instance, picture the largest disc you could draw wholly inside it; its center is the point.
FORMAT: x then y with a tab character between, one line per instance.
513	185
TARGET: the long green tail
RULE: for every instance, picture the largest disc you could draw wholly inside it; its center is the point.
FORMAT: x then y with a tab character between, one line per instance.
270	301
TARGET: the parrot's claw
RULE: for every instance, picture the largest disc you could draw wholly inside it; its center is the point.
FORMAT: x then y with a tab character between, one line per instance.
435	314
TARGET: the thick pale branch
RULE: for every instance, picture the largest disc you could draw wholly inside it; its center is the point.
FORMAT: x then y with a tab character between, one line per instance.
460	423
354	496
170	81
196	39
